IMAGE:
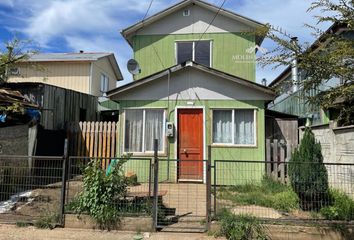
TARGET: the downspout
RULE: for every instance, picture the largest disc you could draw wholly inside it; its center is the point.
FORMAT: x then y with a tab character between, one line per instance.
90	79
294	68
168	114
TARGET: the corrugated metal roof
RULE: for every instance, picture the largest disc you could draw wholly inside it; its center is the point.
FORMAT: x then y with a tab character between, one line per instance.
45	57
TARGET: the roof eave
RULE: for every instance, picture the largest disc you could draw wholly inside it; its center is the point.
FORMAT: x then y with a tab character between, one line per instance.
178	67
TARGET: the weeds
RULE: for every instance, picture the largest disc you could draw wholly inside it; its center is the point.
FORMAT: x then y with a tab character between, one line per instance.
47	222
240	227
268	193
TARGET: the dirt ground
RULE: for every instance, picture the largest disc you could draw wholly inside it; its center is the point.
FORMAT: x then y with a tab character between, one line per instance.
11	232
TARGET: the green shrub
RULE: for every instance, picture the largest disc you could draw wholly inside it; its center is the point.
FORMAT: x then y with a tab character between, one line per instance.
342	207
308	175
240	227
100	192
285	201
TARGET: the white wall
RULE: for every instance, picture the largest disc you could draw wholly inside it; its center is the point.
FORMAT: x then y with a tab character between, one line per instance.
337	147
197	22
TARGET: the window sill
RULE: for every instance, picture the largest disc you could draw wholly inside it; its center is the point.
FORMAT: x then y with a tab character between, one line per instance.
149	154
232	146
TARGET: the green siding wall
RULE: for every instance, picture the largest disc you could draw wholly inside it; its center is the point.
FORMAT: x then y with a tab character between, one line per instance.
228	173
157	52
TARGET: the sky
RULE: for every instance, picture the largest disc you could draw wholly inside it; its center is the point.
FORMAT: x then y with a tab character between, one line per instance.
95	25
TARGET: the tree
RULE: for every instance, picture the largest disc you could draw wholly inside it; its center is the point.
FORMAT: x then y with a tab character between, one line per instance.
14	51
331	56
308	175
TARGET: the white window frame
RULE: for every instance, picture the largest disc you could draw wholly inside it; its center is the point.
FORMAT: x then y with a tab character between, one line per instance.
233	127
193	49
143	152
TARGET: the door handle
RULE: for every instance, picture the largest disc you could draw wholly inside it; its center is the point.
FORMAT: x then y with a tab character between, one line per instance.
184	150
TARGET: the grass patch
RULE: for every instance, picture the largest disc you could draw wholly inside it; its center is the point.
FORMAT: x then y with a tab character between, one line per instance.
47	222
268	193
240	227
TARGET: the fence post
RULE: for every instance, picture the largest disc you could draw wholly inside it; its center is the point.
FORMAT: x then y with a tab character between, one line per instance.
156	179
215	177
63	182
208	190
268	158
275	159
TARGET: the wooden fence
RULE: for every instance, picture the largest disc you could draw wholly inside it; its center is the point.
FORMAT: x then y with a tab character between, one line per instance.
93	139
278	152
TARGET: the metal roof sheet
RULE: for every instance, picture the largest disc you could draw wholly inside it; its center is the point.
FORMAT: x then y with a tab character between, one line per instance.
44	57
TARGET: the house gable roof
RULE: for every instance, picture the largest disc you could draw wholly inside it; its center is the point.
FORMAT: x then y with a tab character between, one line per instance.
180	67
77	57
129	32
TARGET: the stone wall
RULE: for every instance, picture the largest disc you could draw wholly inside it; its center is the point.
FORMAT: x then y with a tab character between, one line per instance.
337	147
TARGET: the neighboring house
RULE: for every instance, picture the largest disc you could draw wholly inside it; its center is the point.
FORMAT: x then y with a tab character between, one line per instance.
90	73
291	98
203	90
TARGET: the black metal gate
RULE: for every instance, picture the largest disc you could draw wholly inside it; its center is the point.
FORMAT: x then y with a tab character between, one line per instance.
180	204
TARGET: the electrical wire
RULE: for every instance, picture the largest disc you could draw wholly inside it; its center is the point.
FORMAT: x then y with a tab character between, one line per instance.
216	14
147	11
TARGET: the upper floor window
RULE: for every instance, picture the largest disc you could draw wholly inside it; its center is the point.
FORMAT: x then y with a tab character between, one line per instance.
104	83
197	51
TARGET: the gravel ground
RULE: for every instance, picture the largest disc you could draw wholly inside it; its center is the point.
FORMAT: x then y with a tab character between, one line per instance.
11	232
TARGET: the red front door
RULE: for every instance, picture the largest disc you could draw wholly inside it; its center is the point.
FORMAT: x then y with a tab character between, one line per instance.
190	144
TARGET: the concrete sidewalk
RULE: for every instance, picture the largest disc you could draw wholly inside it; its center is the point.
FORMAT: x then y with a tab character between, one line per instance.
11	232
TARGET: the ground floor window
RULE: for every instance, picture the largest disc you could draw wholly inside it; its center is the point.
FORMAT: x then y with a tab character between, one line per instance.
141	127
234	126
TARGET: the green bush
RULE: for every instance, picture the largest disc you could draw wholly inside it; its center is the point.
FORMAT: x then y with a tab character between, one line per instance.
240	227
342	207
285	201
308	175
100	191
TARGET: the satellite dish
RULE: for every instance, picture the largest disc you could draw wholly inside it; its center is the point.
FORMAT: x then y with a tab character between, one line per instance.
133	66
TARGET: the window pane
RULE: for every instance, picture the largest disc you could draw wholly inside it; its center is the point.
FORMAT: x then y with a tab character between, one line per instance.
244	126
133	130
102	83
222	126
154	129
184	51
202	52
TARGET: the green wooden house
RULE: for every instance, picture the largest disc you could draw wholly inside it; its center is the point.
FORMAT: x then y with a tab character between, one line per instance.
198	80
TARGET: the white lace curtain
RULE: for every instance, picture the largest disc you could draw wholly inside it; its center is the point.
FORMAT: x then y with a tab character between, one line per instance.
136	123
222	126
243	125
153	129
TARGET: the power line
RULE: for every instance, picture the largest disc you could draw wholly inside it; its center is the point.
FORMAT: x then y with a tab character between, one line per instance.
147	11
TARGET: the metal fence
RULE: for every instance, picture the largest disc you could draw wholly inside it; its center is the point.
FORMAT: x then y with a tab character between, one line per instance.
30	189
245	188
